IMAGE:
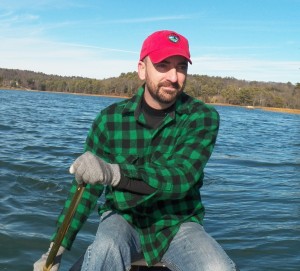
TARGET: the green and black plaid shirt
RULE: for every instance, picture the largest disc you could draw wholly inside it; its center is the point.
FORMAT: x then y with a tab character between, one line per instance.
170	159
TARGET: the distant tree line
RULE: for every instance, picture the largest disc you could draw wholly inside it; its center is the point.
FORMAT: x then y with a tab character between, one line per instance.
210	89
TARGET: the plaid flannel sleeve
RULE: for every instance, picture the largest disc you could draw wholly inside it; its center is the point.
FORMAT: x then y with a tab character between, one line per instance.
86	205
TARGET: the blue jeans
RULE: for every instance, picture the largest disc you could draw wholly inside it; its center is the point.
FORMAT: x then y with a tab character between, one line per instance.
117	244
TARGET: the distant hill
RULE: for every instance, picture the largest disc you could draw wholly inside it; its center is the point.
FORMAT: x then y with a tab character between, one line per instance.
210	89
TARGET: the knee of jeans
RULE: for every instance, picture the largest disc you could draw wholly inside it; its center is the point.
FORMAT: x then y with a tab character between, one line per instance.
110	243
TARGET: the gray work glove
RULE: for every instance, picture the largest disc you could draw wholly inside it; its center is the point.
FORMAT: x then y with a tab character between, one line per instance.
91	169
39	265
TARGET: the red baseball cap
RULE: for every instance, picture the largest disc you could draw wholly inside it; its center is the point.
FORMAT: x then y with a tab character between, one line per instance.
163	44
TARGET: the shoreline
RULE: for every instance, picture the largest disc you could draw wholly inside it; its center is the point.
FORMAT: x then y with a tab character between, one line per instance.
272	109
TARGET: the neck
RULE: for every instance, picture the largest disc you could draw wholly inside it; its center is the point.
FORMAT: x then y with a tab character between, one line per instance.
153	111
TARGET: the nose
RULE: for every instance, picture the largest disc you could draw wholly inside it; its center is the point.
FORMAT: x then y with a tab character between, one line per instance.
172	75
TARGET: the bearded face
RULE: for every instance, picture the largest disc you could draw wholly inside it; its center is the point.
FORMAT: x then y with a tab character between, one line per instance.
164	81
164	92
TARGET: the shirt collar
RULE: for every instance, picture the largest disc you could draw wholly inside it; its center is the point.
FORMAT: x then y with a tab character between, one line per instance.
133	104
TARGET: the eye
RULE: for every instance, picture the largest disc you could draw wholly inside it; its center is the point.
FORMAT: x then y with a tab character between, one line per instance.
161	66
182	67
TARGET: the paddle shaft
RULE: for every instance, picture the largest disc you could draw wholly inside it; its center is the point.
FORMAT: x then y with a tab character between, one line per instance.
64	227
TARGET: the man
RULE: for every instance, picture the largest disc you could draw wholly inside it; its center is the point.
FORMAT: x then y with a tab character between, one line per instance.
148	154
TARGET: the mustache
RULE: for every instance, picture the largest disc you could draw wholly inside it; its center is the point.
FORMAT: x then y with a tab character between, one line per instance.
169	84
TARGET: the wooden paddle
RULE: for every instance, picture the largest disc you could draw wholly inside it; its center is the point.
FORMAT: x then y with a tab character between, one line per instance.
64	227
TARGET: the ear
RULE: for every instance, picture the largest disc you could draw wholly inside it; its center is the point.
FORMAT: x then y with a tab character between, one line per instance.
142	70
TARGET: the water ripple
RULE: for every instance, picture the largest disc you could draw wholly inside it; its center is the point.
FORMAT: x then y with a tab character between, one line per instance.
251	188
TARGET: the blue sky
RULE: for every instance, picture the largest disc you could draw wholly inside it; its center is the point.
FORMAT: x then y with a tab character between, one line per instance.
252	40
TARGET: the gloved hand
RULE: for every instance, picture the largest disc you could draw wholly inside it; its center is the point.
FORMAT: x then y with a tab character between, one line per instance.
89	168
39	265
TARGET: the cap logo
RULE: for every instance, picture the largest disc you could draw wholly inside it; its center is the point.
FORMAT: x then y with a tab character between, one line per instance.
174	38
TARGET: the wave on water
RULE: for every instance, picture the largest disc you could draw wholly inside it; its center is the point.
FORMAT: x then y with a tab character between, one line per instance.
250	192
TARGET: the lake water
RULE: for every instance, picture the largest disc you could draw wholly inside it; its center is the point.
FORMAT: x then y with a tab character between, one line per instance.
251	190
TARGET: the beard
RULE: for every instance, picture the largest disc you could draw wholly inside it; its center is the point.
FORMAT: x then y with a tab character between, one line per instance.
162	95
